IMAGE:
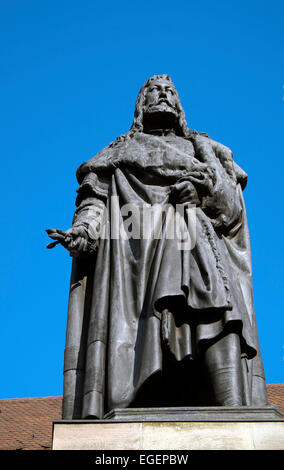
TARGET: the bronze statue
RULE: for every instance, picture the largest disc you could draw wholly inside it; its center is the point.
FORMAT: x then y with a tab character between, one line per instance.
152	323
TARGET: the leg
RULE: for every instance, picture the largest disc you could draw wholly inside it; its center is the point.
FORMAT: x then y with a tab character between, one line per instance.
223	369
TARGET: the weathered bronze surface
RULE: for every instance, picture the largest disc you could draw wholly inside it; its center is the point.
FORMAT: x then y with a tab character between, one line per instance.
153	321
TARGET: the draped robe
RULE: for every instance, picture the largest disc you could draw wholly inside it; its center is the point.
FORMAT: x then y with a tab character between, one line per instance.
139	300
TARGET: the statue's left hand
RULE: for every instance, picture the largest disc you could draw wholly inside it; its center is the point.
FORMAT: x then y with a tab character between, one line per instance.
183	192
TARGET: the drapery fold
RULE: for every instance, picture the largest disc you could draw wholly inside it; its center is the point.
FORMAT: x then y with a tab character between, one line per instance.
137	299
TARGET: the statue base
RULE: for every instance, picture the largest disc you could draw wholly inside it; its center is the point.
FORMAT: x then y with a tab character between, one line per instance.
214	428
212	413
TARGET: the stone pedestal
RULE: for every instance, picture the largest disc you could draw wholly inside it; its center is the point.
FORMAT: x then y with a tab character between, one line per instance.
244	428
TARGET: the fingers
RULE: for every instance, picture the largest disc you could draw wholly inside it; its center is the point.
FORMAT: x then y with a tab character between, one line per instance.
75	239
75	232
56	234
184	197
60	232
71	234
181	186
73	244
52	245
77	246
184	192
82	245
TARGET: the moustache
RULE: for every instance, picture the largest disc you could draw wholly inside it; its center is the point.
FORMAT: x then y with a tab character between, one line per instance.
163	100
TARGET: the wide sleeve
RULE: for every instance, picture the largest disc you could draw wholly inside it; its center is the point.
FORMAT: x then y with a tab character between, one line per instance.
91	204
222	205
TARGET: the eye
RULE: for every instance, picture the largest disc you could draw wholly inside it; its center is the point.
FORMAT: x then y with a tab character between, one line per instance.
170	90
153	88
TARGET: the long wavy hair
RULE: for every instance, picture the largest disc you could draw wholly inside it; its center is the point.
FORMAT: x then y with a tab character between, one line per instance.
137	125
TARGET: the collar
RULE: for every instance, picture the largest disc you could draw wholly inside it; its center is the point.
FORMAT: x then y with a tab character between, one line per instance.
162	132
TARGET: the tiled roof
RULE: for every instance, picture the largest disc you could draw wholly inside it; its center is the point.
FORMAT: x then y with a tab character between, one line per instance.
275	393
26	423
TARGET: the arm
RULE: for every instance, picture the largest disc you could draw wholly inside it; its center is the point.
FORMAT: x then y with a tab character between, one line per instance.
83	236
222	203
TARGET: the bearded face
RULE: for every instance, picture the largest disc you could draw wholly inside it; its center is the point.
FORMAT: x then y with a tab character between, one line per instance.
161	97
158	107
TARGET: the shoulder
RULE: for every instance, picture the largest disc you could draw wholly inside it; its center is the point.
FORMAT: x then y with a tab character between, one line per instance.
217	146
103	160
225	155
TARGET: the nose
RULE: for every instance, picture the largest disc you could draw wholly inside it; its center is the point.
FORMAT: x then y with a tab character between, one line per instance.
163	93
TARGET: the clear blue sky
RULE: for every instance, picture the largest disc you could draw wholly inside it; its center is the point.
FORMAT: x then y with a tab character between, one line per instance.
70	74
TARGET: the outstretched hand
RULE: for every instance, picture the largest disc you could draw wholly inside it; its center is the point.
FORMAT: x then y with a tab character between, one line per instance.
75	240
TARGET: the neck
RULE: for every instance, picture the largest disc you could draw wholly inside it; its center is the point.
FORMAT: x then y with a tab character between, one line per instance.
160	124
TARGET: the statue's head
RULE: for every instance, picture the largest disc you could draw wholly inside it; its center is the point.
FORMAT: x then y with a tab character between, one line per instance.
158	103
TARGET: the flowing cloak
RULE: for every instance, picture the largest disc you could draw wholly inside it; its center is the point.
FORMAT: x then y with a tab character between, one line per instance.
137	298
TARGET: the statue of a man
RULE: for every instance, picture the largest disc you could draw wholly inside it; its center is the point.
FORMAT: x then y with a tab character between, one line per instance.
152	322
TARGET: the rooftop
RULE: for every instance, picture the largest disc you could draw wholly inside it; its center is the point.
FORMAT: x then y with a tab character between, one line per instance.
26	423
